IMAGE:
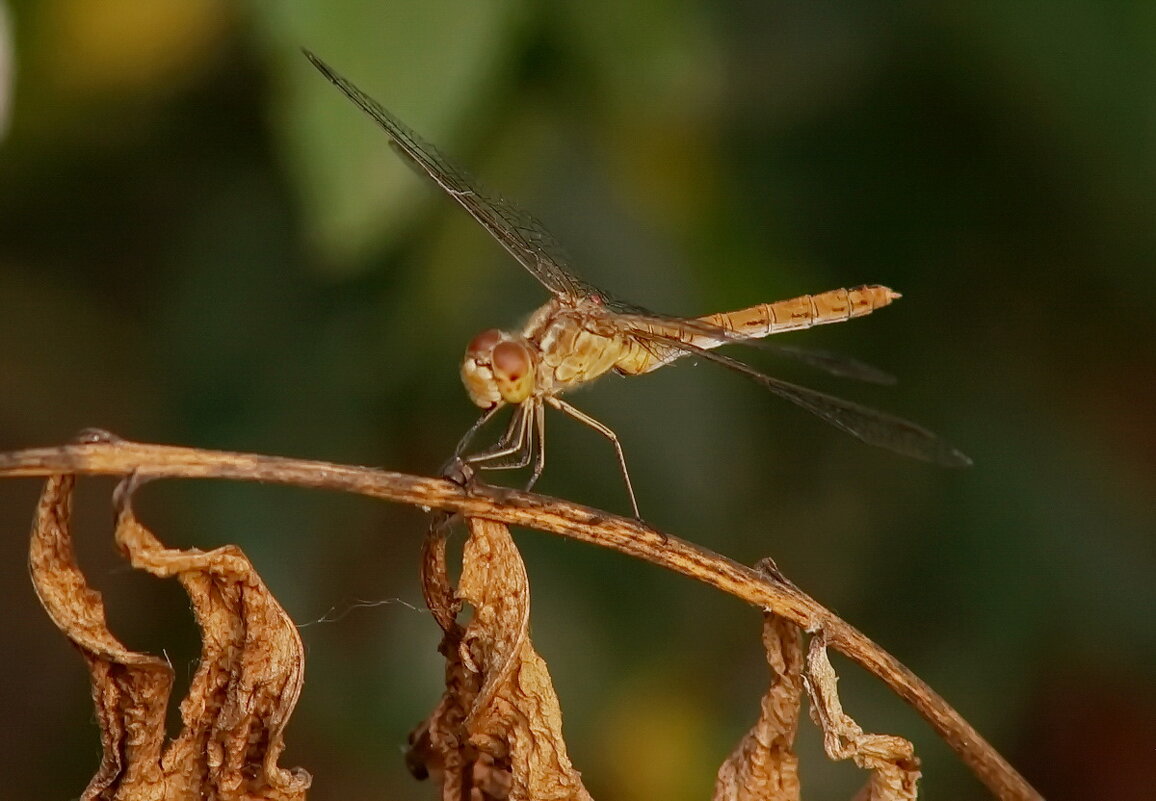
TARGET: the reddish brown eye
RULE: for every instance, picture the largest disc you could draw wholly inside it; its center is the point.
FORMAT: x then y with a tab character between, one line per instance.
510	359
484	341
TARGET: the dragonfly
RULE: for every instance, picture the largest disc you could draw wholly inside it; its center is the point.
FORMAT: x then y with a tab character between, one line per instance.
582	333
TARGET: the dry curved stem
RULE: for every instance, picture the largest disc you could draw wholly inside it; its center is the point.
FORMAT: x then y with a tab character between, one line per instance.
102	453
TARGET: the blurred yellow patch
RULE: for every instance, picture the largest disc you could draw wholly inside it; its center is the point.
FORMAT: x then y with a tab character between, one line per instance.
129	45
667	166
653	743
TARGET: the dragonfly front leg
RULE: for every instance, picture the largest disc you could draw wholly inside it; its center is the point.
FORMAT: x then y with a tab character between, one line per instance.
605	431
517	441
481	421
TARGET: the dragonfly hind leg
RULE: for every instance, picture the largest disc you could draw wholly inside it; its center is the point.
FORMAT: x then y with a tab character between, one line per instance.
605	431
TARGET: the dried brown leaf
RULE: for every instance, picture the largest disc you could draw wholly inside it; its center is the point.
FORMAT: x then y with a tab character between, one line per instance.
508	740
245	688
516	717
440	746
129	690
764	766
891	759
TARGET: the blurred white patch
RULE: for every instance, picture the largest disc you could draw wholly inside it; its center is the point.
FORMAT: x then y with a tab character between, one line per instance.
5	68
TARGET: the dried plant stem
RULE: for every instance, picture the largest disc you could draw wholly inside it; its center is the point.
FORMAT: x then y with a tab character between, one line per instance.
101	454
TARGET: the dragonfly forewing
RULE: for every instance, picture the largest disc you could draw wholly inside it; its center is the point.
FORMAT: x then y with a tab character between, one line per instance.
519	232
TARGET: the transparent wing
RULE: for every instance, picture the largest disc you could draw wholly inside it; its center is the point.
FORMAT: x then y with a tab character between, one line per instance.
517	231
873	427
833	363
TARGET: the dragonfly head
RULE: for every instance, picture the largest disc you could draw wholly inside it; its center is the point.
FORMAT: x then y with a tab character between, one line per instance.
498	367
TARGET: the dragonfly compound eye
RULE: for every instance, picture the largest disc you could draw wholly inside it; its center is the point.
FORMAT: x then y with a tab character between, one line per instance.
513	371
477	374
483	344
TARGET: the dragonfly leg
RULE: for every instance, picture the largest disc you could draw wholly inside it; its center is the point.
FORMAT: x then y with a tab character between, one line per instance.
481	421
605	431
540	453
517	441
525	451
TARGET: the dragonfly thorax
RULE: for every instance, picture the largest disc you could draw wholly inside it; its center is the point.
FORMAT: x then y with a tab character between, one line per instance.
498	367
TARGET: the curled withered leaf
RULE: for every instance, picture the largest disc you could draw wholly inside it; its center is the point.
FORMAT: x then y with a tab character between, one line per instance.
764	766
891	759
129	690
248	678
508	742
440	596
246	685
440	747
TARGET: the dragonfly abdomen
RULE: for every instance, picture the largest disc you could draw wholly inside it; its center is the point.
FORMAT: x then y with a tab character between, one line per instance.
805	311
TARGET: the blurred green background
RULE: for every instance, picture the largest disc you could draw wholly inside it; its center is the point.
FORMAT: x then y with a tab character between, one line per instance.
203	243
